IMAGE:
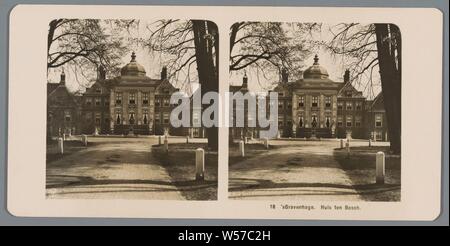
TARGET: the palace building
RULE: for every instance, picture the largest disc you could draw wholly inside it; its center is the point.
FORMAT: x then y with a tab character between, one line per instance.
315	106
131	103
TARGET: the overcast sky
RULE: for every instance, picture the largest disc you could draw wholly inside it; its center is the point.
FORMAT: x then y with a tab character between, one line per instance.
153	63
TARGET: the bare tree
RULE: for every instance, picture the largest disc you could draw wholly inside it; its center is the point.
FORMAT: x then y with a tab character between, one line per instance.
371	48
269	47
190	50
83	45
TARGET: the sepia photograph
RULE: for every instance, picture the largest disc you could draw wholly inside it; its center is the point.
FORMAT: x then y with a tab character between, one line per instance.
329	98
110	85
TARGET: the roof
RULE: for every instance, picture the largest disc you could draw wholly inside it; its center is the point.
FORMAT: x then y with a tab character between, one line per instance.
378	102
315	71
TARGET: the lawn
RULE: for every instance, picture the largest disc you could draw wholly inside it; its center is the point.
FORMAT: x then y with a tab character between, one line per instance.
360	167
180	164
250	150
70	147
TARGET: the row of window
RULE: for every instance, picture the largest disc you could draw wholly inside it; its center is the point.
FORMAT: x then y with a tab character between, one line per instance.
132	98
97	101
349	105
314	102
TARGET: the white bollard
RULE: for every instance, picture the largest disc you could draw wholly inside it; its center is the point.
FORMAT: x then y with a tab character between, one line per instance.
342	143
241	148
266	143
187	139
159	140
370	142
84	139
199	164
380	167
60	146
166	145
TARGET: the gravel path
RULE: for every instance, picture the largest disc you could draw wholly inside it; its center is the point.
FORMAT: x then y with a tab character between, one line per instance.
297	170
112	168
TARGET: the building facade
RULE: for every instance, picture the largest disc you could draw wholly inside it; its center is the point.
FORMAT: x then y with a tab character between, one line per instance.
131	103
315	106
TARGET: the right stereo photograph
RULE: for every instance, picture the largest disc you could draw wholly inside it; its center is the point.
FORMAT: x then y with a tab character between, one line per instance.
315	111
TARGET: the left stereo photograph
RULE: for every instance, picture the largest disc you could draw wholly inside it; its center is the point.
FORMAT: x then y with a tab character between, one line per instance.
124	110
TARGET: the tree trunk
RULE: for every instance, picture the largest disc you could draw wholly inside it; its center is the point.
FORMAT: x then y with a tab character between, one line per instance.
389	59
205	33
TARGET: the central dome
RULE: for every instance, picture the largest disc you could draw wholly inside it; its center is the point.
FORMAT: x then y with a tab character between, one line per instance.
133	68
315	71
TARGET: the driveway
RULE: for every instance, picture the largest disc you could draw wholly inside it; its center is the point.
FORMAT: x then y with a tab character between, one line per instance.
293	170
111	168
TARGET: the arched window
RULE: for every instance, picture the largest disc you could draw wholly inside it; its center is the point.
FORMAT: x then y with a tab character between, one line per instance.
145	119
314	121
131	119
118	120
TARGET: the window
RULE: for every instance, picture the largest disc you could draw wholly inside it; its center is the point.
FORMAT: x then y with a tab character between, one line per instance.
166	91
328	121
301	102
339	121
157	102
348	121
98	90
97	101
88	101
349	106
378	135
118	98
314	121
289	104
358	121
145	119
378	120
328	102
97	118
315	101
358	105
166	102
132	99
67	116
301	122
340	105
280	104
145	98
281	94
118	118
166	118
348	94
131	118
157	119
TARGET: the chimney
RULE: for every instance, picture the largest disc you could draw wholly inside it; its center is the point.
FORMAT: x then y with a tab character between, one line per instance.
63	78
347	76
101	73
164	73
284	75
244	79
